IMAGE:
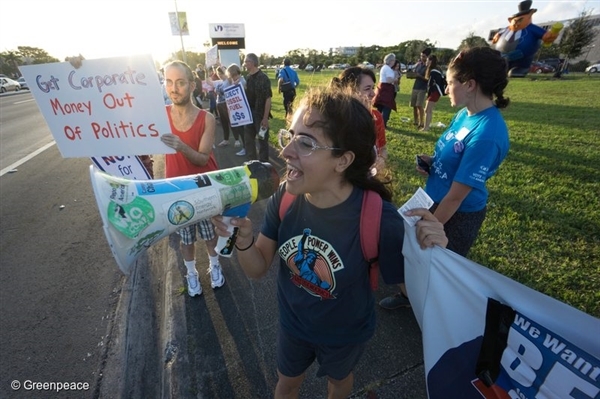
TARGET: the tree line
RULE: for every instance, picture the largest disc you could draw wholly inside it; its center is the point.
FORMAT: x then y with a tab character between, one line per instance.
578	36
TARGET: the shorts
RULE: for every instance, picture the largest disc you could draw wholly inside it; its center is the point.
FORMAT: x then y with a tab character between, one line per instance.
417	99
205	228
434	97
294	357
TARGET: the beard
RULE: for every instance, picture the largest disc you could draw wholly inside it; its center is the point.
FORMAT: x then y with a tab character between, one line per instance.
181	99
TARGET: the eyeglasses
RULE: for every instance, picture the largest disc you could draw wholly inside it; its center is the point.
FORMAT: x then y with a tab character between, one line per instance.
303	145
180	84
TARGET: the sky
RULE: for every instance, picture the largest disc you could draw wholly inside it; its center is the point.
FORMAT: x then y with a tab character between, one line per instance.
111	28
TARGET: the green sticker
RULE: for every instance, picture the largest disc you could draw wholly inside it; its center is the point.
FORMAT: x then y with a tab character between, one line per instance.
131	218
229	177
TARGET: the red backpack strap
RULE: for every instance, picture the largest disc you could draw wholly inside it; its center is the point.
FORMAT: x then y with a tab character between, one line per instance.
370	221
285	203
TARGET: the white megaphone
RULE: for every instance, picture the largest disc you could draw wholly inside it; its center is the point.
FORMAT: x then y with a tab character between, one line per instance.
138	213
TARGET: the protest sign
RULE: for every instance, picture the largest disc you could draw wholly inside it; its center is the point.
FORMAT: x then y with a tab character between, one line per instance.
212	56
129	167
538	348
106	106
237	105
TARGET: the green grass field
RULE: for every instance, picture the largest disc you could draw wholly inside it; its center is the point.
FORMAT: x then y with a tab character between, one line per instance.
543	222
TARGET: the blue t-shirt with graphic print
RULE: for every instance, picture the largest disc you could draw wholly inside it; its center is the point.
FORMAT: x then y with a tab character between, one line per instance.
323	288
468	152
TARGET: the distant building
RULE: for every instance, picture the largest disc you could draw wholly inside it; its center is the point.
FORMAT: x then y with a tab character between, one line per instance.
592	54
345	51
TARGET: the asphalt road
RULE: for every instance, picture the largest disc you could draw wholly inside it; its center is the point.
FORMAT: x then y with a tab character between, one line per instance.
23	127
58	284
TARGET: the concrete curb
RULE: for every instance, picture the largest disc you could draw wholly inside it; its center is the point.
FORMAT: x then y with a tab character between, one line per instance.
146	345
130	365
176	376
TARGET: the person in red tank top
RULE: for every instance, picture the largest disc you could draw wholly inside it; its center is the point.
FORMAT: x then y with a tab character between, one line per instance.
192	136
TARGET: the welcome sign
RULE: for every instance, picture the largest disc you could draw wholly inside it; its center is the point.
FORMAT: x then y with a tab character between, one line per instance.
106	106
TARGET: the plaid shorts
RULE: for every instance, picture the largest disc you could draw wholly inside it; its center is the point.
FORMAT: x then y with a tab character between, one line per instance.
205	228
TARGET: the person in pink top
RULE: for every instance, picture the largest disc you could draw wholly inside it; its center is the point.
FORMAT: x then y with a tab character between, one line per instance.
193	136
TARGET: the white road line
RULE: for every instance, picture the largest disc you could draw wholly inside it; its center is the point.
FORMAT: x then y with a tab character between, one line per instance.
27	158
24	101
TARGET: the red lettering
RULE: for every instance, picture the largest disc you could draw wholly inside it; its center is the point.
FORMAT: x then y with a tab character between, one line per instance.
153	130
123	129
139	132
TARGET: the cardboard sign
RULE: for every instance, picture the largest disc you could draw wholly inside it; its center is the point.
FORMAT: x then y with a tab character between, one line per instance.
212	56
107	106
237	105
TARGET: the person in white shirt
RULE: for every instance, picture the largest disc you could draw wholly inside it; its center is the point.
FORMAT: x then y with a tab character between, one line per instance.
384	99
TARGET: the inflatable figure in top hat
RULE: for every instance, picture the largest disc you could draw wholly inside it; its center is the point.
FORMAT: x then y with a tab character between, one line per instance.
519	41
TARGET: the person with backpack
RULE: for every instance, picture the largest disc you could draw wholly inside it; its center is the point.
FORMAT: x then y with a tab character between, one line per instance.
326	304
436	88
287	83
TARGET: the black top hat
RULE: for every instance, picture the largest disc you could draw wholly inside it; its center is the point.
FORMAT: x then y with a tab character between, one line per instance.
525	8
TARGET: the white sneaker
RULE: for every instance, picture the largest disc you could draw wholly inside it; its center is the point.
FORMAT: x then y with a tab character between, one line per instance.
241	153
237	144
216	276
194	287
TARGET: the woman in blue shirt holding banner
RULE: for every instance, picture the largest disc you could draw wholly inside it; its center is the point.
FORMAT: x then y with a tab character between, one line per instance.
469	152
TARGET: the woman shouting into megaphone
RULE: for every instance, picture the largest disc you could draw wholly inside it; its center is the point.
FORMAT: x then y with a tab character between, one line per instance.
325	300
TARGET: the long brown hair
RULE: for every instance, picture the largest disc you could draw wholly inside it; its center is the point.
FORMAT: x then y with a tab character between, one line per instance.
432	65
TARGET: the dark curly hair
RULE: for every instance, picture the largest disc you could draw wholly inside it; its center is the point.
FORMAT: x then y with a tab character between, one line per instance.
349	125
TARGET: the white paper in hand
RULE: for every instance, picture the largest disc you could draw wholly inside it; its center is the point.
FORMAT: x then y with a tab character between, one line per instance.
420	199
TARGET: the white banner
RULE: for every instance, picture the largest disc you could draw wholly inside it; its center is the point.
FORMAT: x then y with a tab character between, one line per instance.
551	350
237	105
106	106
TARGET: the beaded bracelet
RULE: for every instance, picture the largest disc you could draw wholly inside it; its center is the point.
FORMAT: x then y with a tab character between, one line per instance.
248	247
